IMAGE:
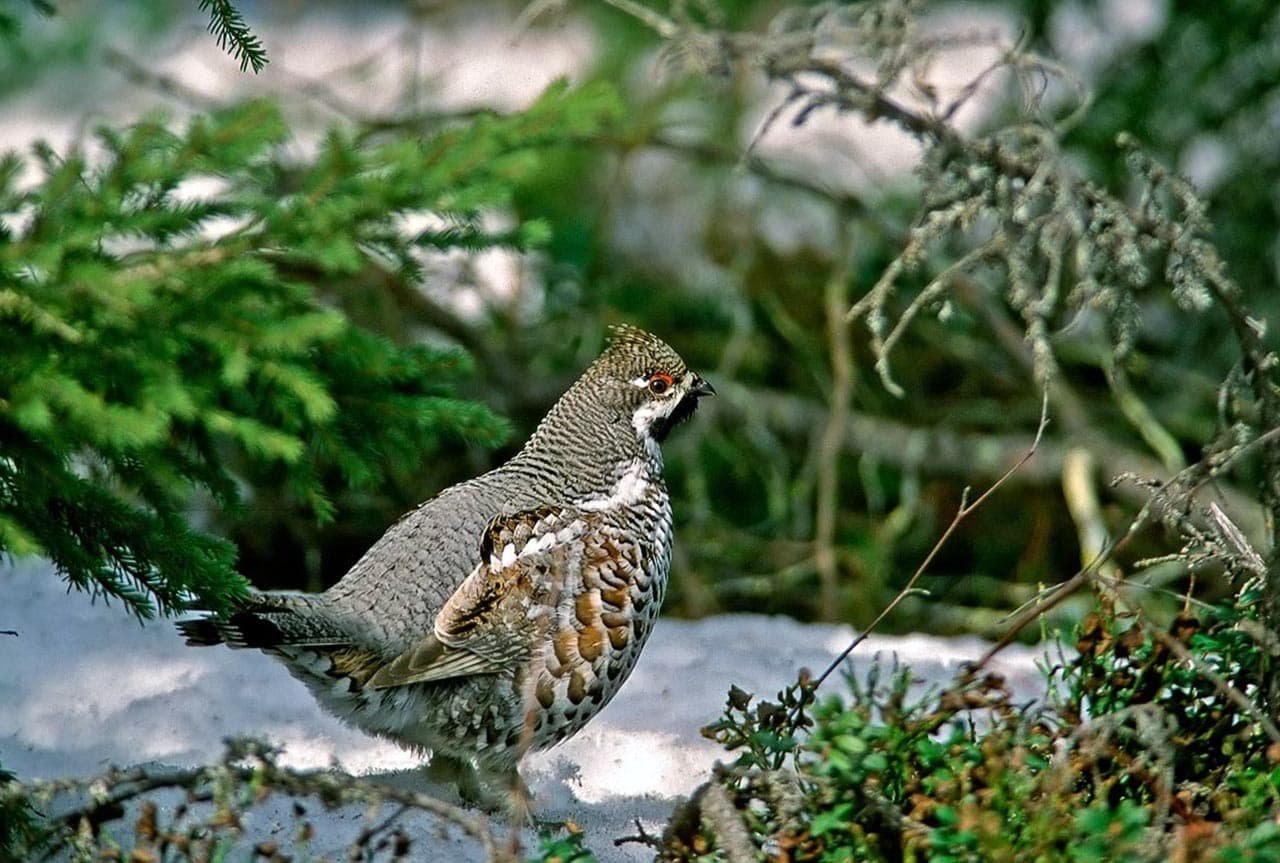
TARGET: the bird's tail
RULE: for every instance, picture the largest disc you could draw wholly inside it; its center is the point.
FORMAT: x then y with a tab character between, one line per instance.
268	621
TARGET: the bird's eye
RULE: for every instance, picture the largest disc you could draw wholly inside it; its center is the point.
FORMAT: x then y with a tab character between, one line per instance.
659	383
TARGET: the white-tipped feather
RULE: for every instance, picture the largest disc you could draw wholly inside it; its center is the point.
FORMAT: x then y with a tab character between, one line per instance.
628	490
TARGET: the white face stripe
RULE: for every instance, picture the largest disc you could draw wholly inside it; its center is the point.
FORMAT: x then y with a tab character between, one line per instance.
647	413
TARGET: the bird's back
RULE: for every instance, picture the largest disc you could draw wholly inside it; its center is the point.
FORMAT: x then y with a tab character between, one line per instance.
391	596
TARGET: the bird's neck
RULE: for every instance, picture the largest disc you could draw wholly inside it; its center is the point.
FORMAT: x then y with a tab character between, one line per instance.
591	449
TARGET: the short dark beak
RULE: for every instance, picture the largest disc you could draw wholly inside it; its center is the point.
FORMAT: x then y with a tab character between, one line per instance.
702	388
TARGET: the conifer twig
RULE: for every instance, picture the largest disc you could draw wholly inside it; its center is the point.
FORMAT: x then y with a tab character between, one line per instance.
234	36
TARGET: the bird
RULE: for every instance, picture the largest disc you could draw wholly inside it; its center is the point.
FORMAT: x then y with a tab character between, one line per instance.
498	617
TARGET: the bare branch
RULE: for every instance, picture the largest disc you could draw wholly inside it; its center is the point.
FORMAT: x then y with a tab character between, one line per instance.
966	509
246	761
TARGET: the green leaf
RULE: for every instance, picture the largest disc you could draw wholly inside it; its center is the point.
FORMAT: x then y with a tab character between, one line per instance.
876	762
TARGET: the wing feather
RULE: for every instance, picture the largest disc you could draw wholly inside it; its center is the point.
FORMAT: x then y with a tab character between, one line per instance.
484	626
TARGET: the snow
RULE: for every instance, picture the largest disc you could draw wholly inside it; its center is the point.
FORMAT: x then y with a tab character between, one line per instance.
84	686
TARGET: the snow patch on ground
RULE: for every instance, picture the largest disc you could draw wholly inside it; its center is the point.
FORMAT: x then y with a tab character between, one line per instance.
84	686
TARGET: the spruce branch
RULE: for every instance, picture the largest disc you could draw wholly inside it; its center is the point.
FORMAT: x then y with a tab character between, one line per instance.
233	34
152	363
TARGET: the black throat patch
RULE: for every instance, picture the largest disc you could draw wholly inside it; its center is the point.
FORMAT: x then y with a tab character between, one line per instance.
663	425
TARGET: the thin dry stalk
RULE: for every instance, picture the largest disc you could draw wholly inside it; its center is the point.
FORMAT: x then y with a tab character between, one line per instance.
966	509
831	443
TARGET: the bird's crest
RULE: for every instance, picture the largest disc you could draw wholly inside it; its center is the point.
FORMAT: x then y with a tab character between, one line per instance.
633	351
625	335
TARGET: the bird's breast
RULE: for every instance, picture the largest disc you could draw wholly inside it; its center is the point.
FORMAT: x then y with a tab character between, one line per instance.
605	608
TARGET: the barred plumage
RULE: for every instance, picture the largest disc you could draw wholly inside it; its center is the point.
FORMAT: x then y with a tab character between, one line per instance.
502	614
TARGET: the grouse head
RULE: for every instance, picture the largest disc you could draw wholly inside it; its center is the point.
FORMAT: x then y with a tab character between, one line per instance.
648	381
638	388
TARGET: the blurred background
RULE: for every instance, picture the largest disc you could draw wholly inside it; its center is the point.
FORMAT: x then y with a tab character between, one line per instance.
805	488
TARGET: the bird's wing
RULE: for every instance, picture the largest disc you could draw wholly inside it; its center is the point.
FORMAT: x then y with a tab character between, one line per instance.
486	624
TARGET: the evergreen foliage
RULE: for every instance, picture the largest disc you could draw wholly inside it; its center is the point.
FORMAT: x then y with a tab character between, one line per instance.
233	34
168	347
225	23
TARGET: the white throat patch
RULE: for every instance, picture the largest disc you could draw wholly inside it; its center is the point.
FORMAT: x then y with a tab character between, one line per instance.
644	417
